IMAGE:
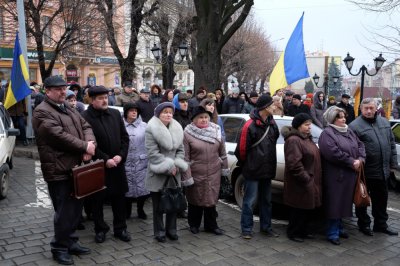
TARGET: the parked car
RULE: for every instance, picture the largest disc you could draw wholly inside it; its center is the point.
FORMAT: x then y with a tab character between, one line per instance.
394	180
233	124
7	145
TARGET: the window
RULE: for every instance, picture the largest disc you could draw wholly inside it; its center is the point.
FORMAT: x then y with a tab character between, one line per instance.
148	49
102	41
1	24
47	30
396	132
188	79
232	127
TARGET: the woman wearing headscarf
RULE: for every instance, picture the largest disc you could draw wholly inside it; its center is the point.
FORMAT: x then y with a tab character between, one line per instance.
209	105
205	151
164	145
342	154
318	109
302	186
181	115
136	161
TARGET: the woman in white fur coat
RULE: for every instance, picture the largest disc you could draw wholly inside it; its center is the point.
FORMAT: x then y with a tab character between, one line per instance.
164	144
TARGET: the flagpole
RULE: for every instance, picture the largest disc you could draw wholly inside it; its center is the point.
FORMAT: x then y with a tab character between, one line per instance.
22	42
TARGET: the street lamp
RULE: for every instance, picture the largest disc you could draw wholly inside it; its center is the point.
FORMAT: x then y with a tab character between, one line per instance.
170	60
348	61
325	84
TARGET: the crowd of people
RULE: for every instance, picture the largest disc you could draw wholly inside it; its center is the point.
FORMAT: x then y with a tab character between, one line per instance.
173	138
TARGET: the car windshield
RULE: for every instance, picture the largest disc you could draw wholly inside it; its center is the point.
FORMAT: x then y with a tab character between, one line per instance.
396	132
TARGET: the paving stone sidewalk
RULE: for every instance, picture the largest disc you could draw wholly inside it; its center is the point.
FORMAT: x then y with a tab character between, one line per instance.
26	230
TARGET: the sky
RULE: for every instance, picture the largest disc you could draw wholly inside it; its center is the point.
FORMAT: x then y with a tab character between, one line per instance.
334	26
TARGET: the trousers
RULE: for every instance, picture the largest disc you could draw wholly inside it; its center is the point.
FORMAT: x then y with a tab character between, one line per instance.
195	214
158	218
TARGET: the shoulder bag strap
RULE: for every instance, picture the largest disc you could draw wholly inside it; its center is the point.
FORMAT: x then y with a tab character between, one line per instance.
262	138
166	181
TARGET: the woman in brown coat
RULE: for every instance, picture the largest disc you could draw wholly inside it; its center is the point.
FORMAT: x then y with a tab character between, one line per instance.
205	151
302	186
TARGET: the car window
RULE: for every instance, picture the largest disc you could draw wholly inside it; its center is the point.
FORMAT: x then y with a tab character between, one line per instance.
315	130
396	132
232	127
5	117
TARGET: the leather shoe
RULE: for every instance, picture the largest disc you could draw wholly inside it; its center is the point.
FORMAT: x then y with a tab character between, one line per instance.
100	237
77	249
142	215
297	239
172	237
124	236
62	257
309	236
386	231
335	241
366	231
160	239
182	215
270	233
194	230
216	231
344	235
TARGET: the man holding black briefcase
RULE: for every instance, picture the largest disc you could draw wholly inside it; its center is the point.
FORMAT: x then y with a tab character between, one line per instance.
112	147
64	139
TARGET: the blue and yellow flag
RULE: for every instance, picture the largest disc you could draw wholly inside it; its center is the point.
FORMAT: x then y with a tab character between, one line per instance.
18	88
292	65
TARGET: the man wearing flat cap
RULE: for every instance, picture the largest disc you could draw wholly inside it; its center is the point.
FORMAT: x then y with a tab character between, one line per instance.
64	140
256	154
113	144
344	104
146	105
128	94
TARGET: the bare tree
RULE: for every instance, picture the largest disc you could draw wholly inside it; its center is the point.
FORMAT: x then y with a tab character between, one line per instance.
53	24
215	23
138	10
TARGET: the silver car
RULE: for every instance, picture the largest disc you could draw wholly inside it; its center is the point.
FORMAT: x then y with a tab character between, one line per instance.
233	124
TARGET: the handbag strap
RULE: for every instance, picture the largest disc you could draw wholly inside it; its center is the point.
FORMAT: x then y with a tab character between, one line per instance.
262	138
167	180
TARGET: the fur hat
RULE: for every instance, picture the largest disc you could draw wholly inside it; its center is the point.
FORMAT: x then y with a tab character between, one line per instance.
70	94
162	106
253	94
97	90
299	119
263	102
235	90
297	96
130	105
200	110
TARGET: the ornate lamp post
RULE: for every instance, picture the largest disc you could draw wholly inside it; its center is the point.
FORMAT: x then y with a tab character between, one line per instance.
170	60
348	61
325	84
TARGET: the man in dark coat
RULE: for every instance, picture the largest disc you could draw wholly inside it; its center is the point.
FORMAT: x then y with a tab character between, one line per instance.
146	105
256	153
64	139
195	101
113	144
297	107
344	104
233	104
381	156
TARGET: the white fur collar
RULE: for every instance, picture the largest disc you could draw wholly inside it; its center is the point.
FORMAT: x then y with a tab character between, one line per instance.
170	137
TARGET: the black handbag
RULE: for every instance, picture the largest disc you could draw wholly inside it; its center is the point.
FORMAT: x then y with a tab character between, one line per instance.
172	199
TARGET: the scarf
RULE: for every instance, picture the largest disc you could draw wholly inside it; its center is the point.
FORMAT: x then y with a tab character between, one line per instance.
209	134
340	129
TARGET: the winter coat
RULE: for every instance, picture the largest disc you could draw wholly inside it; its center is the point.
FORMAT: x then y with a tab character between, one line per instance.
182	117
193	103
112	140
302	186
61	139
232	105
146	109
338	151
164	147
219	104
349	112
396	110
156	99
248	108
317	110
294	110
123	98
380	147
257	162
206	156
136	161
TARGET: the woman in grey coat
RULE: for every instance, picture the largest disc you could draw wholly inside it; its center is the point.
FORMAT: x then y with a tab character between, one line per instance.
318	108
136	161
164	144
342	154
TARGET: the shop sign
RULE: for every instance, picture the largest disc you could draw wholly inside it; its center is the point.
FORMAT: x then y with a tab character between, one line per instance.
7	53
72	73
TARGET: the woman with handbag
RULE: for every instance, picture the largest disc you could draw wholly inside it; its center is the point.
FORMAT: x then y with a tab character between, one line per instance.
302	186
342	156
136	161
205	150
164	145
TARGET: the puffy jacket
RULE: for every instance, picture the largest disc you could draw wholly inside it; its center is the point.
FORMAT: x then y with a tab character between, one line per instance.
61	138
317	110
232	105
257	162
380	147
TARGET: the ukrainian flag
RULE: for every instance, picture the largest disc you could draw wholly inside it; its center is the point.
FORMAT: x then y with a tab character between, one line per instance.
18	88
292	65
